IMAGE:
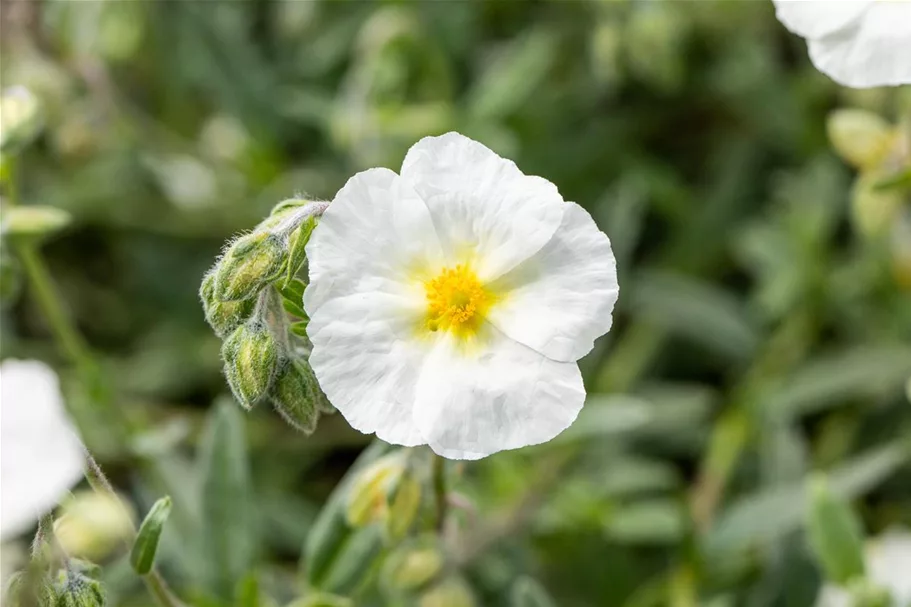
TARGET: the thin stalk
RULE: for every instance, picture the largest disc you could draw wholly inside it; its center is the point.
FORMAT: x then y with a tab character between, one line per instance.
438	474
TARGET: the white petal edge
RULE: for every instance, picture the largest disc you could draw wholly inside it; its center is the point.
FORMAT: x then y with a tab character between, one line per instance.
41	456
367	362
816	18
561	299
888	560
482	203
876	51
499	395
371	238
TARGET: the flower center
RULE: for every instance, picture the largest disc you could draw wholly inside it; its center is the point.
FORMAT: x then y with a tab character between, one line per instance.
456	301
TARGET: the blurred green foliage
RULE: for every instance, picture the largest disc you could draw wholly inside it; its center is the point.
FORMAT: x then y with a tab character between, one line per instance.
763	330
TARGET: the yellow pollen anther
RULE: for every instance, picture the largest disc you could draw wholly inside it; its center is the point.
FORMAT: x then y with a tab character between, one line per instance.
456	301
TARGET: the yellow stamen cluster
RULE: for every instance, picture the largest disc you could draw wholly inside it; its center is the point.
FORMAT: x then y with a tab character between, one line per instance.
456	301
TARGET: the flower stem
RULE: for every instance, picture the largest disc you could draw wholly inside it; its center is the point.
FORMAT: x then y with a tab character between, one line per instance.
438	475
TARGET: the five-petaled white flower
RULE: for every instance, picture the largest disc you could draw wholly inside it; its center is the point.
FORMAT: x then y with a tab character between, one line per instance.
888	561
858	43
41	456
449	304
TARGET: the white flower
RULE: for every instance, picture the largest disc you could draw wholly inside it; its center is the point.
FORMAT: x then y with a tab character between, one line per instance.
40	454
888	563
858	43
449	304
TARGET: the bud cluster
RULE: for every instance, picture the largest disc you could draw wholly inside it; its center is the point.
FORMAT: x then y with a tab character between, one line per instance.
253	301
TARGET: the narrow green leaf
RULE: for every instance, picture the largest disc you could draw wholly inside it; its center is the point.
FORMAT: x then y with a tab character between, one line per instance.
354	560
293	298
227	516
528	592
142	557
300	328
834	533
297	243
330	530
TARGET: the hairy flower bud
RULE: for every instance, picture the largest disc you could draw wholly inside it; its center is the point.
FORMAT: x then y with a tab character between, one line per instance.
74	589
410	567
861	137
251	357
20	118
295	395
368	499
223	316
249	264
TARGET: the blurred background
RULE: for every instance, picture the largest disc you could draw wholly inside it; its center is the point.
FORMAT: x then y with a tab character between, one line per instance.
763	330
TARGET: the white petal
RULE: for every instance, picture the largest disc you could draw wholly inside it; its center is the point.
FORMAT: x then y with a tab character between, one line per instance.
816	18
41	456
367	360
498	395
560	300
373	235
876	51
482	203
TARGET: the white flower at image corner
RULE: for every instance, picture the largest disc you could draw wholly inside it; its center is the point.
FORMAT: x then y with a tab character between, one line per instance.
41	456
857	43
888	563
448	305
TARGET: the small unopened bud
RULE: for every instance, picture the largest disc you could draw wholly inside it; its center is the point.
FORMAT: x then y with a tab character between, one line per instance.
20	118
92	525
74	589
251	358
860	137
873	209
411	567
451	592
368	500
295	394
223	316
403	506
28	588
33	221
248	265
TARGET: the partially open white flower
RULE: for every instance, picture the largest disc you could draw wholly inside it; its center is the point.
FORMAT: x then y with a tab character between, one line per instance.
858	43
888	561
449	304
40	454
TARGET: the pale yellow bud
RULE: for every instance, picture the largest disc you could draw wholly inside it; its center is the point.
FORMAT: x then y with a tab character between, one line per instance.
862	138
92	525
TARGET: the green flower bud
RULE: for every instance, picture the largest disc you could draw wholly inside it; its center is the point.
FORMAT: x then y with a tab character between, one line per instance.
223	316
862	138
249	264
28	589
368	499
20	118
451	592
74	589
251	359
403	506
873	209
33	221
411	567
295	394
